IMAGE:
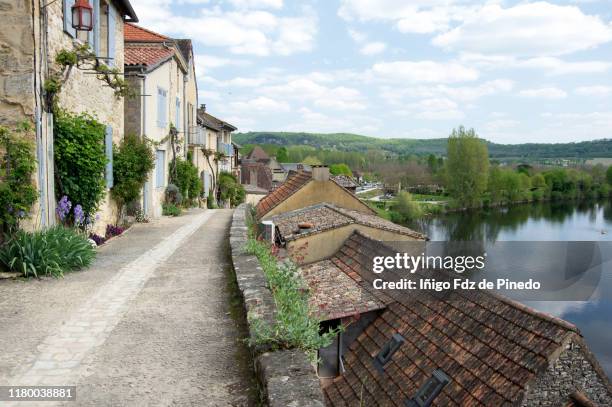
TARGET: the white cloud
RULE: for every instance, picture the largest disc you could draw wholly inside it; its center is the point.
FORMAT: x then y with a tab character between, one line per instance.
373	48
424	71
262	104
357	36
556	66
544	93
595	90
527	29
256	4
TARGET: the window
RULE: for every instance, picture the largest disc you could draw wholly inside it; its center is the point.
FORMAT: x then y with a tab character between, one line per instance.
162	103
387	351
160	169
178	114
429	390
108	147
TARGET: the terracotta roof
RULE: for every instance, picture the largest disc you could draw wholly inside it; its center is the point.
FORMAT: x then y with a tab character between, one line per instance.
326	216
492	348
333	294
146	55
258	153
344	181
293	184
134	33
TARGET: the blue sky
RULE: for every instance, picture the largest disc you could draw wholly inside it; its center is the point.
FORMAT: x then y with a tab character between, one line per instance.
515	71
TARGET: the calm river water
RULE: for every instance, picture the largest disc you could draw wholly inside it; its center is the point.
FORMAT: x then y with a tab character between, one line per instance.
545	222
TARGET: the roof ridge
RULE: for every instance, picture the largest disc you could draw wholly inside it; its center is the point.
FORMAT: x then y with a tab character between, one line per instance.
138	27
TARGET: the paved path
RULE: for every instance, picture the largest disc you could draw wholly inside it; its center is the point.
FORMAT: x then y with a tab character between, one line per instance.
149	324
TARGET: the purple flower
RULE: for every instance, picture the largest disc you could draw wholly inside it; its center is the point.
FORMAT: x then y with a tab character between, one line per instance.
79	216
21	214
63	207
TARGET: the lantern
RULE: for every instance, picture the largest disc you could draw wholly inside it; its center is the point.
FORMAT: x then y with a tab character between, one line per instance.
82	16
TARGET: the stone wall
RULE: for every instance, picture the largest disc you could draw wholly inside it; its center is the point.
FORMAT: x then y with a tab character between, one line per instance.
133	107
16	62
574	370
288	377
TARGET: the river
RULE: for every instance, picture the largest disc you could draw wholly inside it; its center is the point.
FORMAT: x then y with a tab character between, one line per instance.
546	222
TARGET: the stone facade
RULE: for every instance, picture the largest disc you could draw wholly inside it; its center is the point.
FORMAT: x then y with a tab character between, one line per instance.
574	370
26	60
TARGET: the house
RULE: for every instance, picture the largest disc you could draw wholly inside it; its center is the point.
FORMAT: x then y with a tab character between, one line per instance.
31	35
258	156
456	348
318	231
162	72
216	141
303	189
346	182
257	180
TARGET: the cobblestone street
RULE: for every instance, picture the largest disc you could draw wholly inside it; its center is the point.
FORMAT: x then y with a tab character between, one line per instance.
150	323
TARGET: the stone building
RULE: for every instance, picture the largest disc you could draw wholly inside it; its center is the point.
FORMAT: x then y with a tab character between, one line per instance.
31	35
459	348
317	232
303	189
215	135
162	72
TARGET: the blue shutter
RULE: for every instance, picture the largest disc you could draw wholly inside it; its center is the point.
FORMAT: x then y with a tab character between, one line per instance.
206	181
96	27
162	104
68	18
112	17
178	114
108	144
160	170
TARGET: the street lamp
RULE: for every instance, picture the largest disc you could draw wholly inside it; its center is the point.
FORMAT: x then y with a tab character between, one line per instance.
82	13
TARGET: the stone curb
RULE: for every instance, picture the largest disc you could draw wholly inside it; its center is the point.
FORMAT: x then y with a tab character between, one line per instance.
287	376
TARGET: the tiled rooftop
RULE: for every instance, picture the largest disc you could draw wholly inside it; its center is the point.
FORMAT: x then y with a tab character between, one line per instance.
333	294
134	33
285	190
326	216
489	346
344	181
147	55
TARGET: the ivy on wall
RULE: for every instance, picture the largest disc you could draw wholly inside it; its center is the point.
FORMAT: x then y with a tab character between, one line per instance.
80	159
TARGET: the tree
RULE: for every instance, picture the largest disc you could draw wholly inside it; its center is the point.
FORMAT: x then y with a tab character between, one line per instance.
406	207
609	175
311	160
282	156
340	169
467	166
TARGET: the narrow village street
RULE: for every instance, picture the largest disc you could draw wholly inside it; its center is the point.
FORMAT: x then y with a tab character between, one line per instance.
153	322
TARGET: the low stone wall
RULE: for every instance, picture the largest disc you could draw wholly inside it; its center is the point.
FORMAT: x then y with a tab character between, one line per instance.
288	377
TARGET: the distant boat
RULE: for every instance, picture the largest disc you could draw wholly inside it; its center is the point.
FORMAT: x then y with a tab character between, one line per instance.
604	232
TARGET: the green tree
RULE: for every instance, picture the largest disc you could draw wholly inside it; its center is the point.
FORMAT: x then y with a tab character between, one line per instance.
132	161
281	155
407	207
609	175
311	160
340	169
187	179
467	166
230	189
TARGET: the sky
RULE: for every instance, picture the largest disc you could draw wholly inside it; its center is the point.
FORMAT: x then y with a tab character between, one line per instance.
515	71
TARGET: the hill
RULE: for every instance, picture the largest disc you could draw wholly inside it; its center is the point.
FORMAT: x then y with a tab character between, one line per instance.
357	143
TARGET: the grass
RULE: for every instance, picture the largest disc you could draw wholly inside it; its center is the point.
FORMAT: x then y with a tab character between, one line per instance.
49	252
295	325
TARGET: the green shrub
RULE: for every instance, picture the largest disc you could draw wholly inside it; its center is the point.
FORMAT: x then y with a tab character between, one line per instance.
230	189
17	191
296	325
170	209
50	252
406	207
187	179
132	161
79	159
173	195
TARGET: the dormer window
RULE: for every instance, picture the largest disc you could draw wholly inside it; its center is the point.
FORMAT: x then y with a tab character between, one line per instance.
429	390
387	351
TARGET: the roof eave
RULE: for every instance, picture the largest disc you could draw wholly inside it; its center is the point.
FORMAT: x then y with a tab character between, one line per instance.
128	11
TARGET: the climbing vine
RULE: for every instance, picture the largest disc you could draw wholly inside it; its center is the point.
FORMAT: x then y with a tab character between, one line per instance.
82	57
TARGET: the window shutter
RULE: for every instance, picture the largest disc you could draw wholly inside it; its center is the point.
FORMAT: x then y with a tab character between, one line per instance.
160	171
162	104
112	21
178	113
68	18
108	144
96	27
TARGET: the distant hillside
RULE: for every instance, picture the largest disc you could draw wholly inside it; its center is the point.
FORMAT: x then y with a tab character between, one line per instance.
358	143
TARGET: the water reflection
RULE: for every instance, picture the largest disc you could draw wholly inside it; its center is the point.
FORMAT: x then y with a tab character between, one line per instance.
559	221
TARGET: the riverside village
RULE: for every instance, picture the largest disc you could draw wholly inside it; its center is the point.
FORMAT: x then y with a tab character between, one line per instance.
153	255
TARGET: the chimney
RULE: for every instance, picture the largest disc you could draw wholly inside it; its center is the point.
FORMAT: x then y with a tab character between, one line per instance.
203	107
320	173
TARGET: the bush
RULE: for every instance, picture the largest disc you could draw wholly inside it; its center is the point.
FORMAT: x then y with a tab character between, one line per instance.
169	209
295	324
210	202
79	159
17	191
173	195
112	230
132	161
230	189
187	180
50	252
406	207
